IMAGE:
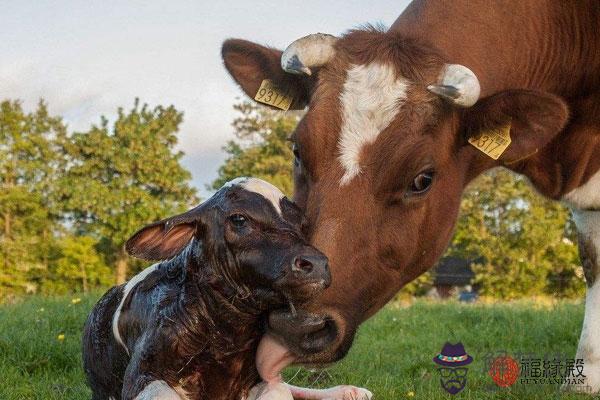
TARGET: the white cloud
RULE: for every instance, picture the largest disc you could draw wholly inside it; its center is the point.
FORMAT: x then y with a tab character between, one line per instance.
86	61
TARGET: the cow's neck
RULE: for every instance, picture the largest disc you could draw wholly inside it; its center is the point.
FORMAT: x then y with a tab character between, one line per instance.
528	45
538	45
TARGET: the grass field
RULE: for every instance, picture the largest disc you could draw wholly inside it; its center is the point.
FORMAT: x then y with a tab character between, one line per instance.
391	356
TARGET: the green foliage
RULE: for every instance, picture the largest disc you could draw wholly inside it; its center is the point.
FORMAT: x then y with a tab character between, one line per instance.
526	241
76	265
125	176
262	148
30	159
69	201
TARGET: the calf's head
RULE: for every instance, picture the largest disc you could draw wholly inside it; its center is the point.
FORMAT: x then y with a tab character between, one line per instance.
382	157
247	236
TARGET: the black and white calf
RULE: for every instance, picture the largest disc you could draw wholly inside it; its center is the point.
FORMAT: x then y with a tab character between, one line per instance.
189	326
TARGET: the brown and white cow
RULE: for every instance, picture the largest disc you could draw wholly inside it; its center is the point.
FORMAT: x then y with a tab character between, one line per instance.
382	154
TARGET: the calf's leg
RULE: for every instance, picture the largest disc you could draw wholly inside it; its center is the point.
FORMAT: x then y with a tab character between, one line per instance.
588	228
158	390
140	384
283	391
342	392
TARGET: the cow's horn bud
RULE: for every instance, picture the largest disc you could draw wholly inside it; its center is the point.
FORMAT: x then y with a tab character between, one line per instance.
308	52
457	84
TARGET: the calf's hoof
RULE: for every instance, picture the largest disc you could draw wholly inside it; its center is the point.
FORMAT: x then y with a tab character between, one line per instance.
347	392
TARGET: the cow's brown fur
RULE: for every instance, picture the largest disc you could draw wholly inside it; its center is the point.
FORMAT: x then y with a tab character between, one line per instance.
535	60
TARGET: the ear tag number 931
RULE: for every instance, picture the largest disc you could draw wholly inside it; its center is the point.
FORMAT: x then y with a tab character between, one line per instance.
270	94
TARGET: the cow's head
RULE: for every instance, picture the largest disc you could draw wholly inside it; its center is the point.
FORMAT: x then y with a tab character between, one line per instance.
382	157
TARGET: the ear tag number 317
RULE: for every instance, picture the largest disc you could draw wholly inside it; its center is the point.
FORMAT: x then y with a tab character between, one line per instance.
492	142
270	94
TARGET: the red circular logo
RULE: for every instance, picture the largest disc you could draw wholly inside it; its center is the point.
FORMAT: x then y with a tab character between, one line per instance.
504	371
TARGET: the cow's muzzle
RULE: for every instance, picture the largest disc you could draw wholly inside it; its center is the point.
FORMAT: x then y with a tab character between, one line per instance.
313	337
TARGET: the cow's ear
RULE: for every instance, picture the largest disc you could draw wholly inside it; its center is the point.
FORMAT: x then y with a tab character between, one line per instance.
250	63
165	239
531	118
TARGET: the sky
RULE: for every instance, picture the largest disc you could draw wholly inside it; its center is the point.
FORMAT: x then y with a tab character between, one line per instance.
86	59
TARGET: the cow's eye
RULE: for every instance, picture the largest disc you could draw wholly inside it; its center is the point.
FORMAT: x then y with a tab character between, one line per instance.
238	220
422	182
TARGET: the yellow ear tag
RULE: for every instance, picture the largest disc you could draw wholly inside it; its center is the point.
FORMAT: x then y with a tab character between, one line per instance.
493	142
270	94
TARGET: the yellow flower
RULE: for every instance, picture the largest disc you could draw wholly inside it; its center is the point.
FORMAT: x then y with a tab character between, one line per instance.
61	337
410	394
76	300
41	309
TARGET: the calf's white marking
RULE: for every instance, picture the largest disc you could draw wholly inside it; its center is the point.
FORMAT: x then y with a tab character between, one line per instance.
270	391
264	188
128	287
284	391
341	392
158	390
370	99
587	195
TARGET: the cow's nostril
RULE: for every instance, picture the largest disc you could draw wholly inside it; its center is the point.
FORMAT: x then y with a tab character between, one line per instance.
302	265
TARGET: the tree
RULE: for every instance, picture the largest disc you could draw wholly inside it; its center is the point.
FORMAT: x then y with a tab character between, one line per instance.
262	148
30	159
75	265
125	176
524	242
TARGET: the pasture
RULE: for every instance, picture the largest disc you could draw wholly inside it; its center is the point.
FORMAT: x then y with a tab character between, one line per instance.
40	348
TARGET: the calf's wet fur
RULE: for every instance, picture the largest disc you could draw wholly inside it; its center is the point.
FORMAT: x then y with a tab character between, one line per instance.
190	325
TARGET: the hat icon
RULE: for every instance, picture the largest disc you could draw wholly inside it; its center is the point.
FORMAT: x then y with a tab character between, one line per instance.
453	355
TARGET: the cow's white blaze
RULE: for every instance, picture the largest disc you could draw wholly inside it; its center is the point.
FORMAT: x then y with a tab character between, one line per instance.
588	225
587	195
371	97
265	189
128	287
159	390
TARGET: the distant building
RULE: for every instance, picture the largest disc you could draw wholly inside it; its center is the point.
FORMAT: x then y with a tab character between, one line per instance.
453	277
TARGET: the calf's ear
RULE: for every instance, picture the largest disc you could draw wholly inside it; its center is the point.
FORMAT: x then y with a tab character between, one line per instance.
250	63
164	239
534	119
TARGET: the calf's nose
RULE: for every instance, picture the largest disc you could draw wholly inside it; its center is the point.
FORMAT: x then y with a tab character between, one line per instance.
302	265
313	267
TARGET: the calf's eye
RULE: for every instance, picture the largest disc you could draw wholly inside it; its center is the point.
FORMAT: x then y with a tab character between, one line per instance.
422	182
238	220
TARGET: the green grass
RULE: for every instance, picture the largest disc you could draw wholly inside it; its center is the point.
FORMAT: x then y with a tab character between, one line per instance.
391	356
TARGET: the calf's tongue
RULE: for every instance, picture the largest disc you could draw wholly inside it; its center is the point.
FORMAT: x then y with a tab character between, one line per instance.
271	358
